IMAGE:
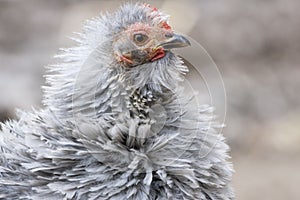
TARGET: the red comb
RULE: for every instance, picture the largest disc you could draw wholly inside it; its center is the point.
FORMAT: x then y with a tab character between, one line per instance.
166	26
154	9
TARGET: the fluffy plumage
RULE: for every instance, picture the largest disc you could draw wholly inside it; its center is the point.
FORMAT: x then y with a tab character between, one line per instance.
115	127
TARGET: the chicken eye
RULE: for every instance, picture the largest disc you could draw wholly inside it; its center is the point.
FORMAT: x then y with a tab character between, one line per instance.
140	38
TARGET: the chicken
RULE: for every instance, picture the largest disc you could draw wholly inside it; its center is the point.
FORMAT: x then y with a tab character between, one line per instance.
117	122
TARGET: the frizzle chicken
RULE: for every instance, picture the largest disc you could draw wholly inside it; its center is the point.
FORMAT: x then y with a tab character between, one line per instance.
117	124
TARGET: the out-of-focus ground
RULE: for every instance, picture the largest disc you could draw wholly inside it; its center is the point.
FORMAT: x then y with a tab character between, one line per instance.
255	44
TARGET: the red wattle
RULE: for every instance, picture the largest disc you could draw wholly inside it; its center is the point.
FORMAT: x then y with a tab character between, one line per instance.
160	53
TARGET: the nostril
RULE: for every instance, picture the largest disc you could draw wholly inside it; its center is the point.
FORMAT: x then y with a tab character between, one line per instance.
169	35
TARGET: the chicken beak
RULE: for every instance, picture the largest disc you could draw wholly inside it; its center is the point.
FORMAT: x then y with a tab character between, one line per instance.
176	41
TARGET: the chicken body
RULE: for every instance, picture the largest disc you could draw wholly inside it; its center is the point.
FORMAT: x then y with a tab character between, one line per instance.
117	124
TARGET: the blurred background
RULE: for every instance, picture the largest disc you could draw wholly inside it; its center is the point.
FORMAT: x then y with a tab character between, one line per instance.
255	44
